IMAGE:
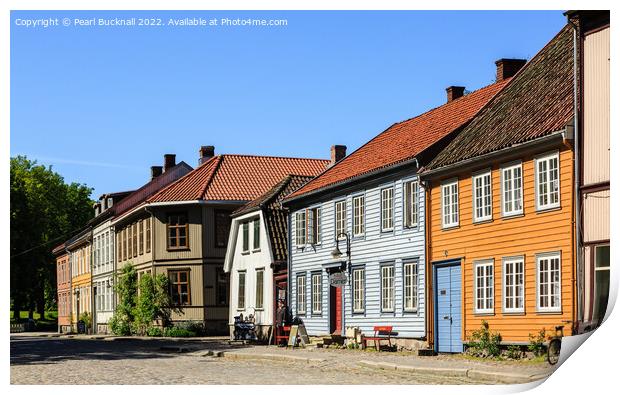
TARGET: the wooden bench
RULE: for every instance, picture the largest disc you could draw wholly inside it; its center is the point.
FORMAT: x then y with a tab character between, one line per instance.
381	333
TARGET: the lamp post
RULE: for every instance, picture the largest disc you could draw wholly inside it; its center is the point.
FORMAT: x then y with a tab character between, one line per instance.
336	254
77	305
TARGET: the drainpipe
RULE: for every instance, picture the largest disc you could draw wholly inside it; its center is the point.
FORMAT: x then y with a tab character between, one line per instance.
577	179
289	264
427	266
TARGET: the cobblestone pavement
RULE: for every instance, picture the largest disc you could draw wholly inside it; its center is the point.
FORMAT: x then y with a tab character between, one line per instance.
41	360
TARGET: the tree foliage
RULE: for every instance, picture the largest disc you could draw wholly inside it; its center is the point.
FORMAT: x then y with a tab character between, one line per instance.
127	290
45	211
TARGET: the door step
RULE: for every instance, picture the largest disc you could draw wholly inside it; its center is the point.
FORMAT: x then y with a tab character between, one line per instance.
426	352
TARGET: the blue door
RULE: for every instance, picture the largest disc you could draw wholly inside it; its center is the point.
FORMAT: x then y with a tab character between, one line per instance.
448	308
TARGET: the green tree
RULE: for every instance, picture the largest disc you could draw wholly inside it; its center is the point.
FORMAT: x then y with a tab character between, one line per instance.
127	290
154	303
44	212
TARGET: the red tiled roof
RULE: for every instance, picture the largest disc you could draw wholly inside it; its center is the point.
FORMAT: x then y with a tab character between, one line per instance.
237	177
404	140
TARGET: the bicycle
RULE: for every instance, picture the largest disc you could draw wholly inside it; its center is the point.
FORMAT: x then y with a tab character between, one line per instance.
555	344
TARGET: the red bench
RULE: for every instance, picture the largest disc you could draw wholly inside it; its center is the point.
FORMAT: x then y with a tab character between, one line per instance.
282	333
381	333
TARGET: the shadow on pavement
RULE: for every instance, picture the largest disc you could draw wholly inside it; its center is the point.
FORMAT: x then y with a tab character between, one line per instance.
42	350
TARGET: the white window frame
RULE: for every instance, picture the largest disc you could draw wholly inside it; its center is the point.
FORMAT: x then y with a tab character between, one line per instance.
509	168
387	288
300	228
340	217
359	289
260	289
411	202
482	176
245	237
317	293
547	158
241	294
410	286
488	301
450	209
313	225
548	309
387	209
301	294
359	210
514	275
256	234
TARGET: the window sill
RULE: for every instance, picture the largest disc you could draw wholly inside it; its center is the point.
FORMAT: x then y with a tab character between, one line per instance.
544	312
511	216
483	221
317	315
175	249
410	312
411	228
484	314
256	250
245	252
548	209
513	313
359	313
450	227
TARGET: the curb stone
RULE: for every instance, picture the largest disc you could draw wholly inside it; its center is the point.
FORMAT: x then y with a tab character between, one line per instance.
272	357
507	378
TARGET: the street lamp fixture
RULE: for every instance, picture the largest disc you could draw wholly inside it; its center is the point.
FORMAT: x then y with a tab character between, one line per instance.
337	254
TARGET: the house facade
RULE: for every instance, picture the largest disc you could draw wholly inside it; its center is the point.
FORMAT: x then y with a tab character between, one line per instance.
63	289
79	251
103	260
190	222
256	257
593	144
501	242
371	208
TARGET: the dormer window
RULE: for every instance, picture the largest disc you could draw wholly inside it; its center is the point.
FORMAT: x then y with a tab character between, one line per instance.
110	202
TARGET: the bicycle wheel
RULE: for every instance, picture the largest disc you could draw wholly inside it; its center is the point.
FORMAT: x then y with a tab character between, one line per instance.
553	351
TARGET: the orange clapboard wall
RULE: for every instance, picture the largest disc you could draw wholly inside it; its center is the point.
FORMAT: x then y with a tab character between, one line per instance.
526	235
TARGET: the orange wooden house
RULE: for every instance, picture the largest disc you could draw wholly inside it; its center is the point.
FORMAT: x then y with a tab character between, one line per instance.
501	204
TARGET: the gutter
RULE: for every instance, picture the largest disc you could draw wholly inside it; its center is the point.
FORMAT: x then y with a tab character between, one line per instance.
462	165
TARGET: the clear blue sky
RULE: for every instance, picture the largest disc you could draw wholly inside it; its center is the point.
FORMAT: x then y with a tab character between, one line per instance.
103	104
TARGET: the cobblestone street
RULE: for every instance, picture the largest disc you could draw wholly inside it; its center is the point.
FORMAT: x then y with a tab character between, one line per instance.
42	360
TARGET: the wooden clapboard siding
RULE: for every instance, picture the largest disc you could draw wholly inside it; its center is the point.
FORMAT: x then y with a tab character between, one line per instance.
370	251
529	234
195	310
194	234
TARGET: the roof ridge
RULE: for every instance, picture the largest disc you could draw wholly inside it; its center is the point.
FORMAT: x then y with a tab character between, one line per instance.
274	157
218	159
169	186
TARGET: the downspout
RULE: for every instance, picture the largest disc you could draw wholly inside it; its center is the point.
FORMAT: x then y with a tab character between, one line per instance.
289	264
427	265
577	179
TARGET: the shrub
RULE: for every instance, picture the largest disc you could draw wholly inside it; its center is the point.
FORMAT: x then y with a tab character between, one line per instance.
154	331
483	343
178	332
537	343
126	288
514	352
87	319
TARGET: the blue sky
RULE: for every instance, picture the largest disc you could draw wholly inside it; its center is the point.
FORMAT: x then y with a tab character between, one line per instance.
103	104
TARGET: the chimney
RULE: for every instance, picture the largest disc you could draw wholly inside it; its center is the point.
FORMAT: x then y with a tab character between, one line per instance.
206	152
338	153
169	161
454	92
156	171
506	68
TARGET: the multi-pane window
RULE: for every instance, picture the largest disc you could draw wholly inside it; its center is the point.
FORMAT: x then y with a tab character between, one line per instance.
129	241
221	287
341	217
222	228
358	215
245	228
124	234
513	285
450	204
547	182
256	234
241	290
108	248
148	235
317	305
300	228
549	296
177	231
410	274
313	232
358	290
482	196
135	239
141	236
601	282
301	294
512	190
260	283
179	286
387	288
411	192
387	209
483	286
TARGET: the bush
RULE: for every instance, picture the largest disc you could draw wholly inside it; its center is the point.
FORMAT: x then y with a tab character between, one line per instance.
119	326
178	332
196	327
87	319
514	352
483	343
154	331
537	343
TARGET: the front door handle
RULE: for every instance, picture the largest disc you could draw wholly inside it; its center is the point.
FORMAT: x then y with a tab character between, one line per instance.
446	317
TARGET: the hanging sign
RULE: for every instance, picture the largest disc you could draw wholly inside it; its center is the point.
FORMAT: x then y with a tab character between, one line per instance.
338	279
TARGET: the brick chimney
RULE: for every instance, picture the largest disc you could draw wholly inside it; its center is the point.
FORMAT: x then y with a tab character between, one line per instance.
169	161
206	152
506	68
454	92
156	171
338	153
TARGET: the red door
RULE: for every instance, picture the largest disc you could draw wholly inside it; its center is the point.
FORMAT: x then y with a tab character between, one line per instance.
338	310
335	310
